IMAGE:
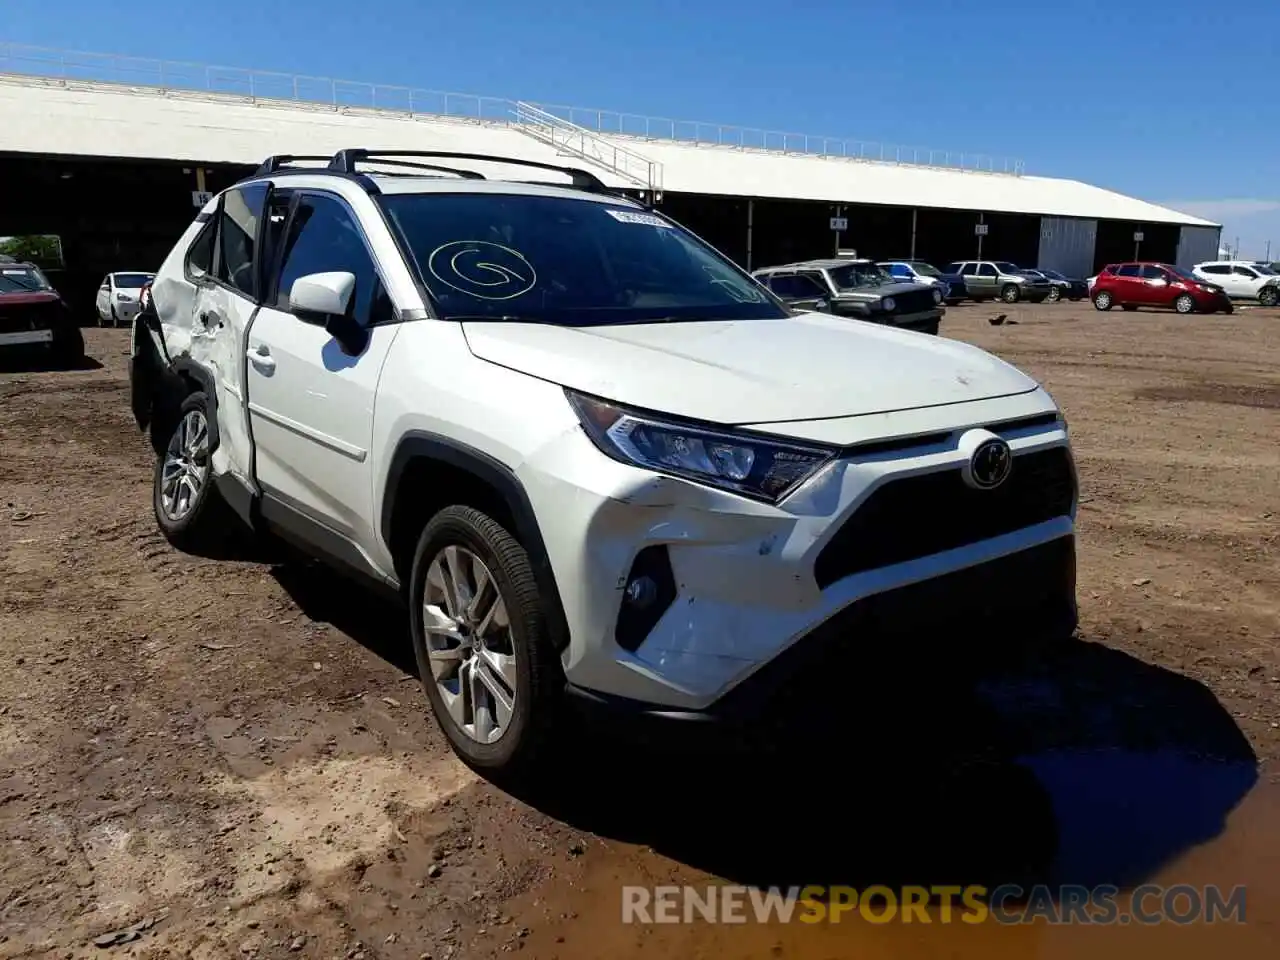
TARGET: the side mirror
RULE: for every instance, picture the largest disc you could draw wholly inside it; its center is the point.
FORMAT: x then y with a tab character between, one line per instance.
324	298
318	296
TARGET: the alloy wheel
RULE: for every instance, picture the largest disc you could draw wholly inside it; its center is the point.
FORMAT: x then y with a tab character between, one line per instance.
469	643
186	466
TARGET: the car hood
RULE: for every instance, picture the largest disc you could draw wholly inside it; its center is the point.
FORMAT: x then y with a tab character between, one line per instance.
883	290
809	366
23	299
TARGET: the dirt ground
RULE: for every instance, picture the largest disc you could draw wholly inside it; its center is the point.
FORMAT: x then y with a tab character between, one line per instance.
224	757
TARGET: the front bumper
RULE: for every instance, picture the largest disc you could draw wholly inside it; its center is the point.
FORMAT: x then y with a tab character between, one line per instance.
746	575
26	338
1017	599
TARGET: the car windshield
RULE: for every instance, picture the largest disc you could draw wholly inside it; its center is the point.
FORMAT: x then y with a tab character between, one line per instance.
563	260
1053	274
1184	274
22	280
1031	273
851	276
1005	267
925	269
1265	269
132	281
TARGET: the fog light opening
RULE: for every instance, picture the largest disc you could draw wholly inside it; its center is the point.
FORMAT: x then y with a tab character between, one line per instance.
647	593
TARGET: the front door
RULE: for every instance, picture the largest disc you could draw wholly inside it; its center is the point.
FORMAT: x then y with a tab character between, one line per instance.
985	281
310	401
1156	289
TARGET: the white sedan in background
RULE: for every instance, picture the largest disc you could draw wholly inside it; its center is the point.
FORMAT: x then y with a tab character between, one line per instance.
118	297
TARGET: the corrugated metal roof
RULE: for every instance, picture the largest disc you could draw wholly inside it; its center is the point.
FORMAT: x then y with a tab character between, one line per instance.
96	119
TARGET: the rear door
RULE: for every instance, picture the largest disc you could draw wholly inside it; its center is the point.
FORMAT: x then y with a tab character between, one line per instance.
1127	286
224	307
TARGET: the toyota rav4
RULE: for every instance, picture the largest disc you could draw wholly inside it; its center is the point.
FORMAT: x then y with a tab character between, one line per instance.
594	458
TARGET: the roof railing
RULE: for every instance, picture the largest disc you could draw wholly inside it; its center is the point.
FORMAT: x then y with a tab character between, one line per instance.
47	64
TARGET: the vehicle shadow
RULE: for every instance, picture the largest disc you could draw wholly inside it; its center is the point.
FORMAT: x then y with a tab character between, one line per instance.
1077	764
37	363
1081	766
374	621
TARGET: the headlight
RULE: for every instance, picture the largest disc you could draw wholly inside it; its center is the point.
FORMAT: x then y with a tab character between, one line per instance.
888	303
937	295
752	466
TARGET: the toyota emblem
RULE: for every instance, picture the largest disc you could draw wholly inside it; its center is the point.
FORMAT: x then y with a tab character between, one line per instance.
990	464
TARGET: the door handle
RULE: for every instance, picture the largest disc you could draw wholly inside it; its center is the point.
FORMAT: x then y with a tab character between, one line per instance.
261	358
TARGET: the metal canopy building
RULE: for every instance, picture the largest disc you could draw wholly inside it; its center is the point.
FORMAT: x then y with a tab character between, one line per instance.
107	152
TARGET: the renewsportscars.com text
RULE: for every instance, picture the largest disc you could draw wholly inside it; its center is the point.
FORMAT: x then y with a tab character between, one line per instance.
1008	904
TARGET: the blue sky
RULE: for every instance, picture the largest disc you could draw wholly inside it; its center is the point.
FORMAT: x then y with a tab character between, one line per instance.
1176	101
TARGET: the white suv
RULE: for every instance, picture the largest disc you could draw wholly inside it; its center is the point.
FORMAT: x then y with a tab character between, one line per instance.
594	456
1242	279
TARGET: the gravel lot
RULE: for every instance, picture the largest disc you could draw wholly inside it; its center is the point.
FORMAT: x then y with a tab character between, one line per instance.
236	756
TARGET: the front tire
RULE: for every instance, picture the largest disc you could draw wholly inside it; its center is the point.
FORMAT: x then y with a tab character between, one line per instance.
1103	301
482	643
1010	293
1053	296
1269	296
1185	304
188	509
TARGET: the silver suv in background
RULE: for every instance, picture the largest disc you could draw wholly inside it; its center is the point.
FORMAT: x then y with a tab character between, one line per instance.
1000	280
860	289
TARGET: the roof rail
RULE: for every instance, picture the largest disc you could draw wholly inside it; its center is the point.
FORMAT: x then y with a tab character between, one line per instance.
344	161
277	161
464	174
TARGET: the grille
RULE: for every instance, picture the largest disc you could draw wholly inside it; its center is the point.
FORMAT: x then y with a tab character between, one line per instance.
914	301
15	318
1016	597
922	515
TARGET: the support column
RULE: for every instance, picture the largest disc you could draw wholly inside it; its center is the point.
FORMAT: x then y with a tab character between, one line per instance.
751	225
980	237
200	179
913	233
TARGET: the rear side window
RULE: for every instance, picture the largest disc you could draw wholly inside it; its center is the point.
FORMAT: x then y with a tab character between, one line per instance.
987	270
1215	268
200	255
1128	270
238	235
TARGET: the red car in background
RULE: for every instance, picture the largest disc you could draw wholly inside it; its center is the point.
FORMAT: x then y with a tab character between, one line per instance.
34	318
1134	285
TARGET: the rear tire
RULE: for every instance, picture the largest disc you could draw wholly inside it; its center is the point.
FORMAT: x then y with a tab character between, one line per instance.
1185	304
509	684
1103	301
188	508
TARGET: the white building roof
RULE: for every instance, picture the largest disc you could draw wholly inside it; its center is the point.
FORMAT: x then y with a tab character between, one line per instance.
72	118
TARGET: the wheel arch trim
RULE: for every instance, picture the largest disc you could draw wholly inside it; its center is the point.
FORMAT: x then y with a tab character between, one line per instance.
419	445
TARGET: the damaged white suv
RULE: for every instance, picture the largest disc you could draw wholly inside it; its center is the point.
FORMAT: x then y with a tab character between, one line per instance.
595	458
